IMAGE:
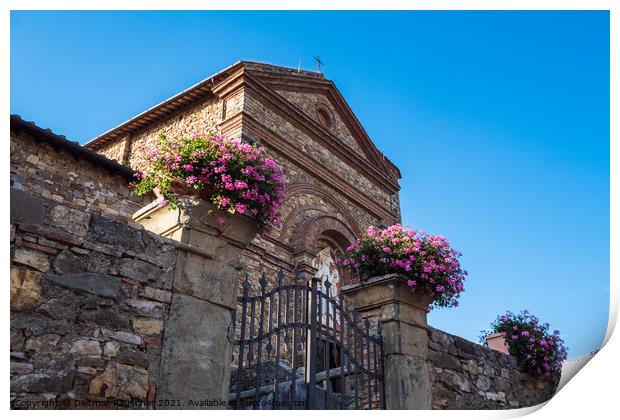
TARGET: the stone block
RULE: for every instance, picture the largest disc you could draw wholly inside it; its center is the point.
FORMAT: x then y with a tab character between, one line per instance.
156	294
401	338
104	312
66	262
483	383
195	347
407	383
138	270
134	358
444	360
17	340
87	370
398	311
64	307
111	348
18	368
27	208
461	383
146	308
93	283
25	289
61	381
70	220
501	384
86	348
148	326
466	348
43	343
32	258
122	336
134	381
112	232
212	271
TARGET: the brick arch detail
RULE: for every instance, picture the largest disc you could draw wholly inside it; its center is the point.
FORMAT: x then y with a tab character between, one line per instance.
308	234
294	190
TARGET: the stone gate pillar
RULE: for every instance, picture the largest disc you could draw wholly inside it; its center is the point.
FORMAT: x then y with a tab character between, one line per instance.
196	348
405	340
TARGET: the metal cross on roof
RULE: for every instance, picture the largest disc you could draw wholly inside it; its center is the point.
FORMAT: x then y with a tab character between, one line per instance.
318	62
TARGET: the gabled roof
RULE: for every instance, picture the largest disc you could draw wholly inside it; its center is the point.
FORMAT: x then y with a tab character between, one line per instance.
274	77
321	85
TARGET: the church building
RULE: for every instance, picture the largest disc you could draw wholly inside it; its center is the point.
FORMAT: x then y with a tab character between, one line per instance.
117	302
338	182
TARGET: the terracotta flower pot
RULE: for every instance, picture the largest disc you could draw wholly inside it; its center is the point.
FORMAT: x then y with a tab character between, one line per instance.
497	342
179	189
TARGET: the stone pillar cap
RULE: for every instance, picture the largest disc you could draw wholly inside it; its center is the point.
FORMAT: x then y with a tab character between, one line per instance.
382	290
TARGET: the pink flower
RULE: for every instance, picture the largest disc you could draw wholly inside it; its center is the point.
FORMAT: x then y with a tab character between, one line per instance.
240	208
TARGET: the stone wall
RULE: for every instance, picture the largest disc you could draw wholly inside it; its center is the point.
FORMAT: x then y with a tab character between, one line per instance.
55	173
89	296
465	375
90	289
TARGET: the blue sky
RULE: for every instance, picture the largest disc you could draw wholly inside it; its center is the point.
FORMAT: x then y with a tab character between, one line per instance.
499	122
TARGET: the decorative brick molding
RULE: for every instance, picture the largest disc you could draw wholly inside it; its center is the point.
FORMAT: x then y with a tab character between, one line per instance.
294	190
256	129
306	237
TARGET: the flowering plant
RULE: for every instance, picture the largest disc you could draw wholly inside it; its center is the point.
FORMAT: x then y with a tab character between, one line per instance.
428	261
234	176
536	349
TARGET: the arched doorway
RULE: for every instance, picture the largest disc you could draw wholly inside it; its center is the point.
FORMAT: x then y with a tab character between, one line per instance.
321	241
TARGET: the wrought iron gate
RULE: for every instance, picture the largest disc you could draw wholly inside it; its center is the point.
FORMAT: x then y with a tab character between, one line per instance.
296	347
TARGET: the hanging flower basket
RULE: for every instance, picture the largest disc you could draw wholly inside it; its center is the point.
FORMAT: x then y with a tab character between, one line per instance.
537	350
233	176
428	262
